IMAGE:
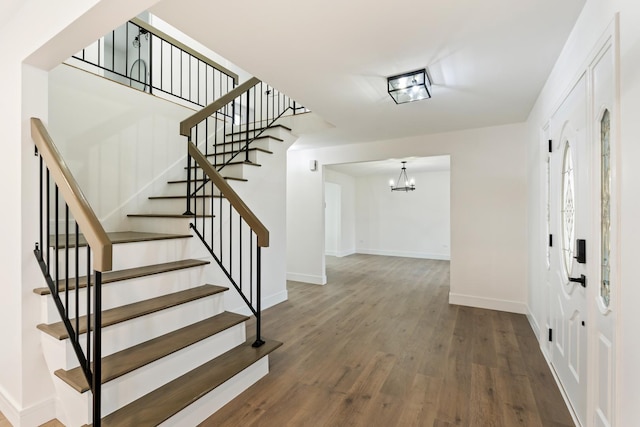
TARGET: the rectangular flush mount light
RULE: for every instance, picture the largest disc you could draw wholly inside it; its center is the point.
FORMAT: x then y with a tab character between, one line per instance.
409	87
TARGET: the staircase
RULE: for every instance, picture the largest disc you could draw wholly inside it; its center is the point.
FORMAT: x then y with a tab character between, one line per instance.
171	354
167	341
135	327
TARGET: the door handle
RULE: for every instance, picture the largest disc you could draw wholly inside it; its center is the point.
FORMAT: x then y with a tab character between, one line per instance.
582	280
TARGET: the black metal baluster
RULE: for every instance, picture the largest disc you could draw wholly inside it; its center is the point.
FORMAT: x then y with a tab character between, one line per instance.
41	202
198	87
220	227
66	258
97	349
251	234
77	283
240	257
181	79
171	72
161	64
212	224
113	50
246	149
151	36
88	315
57	251
230	240
126	55
48	219
258	341
99	52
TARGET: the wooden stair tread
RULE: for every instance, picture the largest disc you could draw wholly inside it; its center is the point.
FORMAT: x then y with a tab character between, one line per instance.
118	237
166	401
130	359
184	181
165	215
136	309
261	128
225	153
184	196
129	273
243	162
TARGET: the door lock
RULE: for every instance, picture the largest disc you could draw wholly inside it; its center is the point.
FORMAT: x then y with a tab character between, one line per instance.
582	280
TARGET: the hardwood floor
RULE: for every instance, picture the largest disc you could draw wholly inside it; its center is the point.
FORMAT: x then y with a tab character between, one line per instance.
379	345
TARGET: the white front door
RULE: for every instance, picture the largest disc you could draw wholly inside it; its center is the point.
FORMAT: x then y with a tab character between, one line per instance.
570	221
582	221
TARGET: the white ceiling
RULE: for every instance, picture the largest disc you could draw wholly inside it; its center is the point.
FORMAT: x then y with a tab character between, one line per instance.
8	8
488	59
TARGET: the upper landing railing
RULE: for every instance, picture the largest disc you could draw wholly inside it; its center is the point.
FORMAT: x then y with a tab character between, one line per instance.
141	56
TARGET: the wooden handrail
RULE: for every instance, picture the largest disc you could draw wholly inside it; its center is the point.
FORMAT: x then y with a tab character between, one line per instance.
153	30
194	119
252	221
92	230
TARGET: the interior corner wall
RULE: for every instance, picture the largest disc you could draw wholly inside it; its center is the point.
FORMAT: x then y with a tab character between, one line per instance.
412	224
347	238
25	398
488	209
305	220
596	16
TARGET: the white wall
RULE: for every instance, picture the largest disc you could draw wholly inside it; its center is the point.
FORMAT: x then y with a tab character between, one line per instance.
625	292
414	224
346	244
488	209
332	208
26	395
101	126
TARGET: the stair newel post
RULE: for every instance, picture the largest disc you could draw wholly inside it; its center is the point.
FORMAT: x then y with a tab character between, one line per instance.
97	348
246	124
259	340
188	211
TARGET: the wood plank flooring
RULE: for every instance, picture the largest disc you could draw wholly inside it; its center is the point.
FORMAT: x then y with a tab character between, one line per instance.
379	345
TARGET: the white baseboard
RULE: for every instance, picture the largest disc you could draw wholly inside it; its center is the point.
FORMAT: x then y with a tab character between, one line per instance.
307	278
405	254
534	323
340	254
562	392
34	415
488	303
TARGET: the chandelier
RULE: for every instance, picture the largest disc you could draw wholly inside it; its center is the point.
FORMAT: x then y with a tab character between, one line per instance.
409	185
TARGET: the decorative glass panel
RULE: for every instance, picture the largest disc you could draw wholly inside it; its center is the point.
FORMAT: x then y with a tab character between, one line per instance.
605	207
568	209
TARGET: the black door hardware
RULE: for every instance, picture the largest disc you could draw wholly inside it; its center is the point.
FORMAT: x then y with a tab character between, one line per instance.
582	280
581	251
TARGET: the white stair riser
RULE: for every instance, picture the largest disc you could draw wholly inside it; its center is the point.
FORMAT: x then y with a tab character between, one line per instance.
130	255
254	156
72	409
124	390
124	292
211	402
160	225
177	206
234	171
264	143
60	355
180	189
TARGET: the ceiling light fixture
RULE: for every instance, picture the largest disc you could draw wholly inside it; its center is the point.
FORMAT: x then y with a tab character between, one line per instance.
409	185
409	87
